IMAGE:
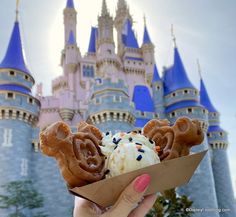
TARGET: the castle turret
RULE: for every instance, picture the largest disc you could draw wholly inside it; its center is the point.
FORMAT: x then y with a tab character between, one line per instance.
218	141
122	15
148	54
108	63
158	94
110	108
70	20
19	111
105	31
182	99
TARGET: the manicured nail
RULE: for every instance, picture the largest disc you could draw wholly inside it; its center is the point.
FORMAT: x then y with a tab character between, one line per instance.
141	183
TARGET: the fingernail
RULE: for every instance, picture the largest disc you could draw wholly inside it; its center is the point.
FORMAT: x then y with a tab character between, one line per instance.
141	183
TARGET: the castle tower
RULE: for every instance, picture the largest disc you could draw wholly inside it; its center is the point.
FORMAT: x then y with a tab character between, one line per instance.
70	20
148	54
110	108
218	142
19	111
182	99
108	64
122	15
158	94
105	30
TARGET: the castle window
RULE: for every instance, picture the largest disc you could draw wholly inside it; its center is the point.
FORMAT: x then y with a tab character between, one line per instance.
173	114
185	91
10	113
88	71
30	100
26	77
10	95
173	94
24	167
143	114
7	138
98	101
204	111
221	134
158	87
190	110
12	73
156	115
109	51
117	99
208	134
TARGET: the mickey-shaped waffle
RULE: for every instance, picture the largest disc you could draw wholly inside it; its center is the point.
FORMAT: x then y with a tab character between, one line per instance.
78	155
174	141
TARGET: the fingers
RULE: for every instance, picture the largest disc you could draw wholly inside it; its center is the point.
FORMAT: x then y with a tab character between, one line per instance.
144	206
85	208
130	197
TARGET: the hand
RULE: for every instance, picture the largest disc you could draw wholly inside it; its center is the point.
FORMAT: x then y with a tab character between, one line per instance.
125	205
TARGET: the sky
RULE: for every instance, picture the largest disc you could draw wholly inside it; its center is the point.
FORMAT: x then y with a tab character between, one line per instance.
205	30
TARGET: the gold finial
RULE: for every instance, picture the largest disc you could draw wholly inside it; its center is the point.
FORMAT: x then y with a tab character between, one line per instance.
144	19
173	35
199	68
17	9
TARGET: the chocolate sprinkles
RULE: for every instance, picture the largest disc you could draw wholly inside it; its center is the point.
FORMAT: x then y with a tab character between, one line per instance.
138	144
139	157
141	150
151	141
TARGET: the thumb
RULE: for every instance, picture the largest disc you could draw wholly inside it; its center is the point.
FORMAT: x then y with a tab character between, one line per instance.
130	196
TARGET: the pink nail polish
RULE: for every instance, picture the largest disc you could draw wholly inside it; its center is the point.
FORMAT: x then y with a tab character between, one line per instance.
141	183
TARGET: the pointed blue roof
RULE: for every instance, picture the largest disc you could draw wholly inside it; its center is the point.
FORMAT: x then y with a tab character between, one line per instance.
129	38
142	99
70	4
156	76
204	98
176	78
146	37
71	39
14	57
92	41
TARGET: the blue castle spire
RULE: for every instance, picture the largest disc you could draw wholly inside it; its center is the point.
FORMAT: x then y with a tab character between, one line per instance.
129	38
204	98
146	37
176	77
14	58
71	40
70	4
156	76
92	41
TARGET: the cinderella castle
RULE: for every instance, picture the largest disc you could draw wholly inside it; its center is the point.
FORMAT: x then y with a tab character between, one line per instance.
115	86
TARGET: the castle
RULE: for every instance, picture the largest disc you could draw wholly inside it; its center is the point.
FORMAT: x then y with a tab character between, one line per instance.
114	88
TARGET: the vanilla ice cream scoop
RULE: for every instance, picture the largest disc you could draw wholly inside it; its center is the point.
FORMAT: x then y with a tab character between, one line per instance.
127	152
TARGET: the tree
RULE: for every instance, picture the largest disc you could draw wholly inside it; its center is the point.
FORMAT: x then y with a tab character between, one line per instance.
171	205
21	196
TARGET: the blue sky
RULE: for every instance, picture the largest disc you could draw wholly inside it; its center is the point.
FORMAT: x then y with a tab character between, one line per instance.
204	30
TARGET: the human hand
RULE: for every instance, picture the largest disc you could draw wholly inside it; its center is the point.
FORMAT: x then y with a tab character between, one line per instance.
125	205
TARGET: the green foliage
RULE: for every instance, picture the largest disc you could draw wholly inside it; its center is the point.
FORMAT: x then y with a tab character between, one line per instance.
171	205
20	196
